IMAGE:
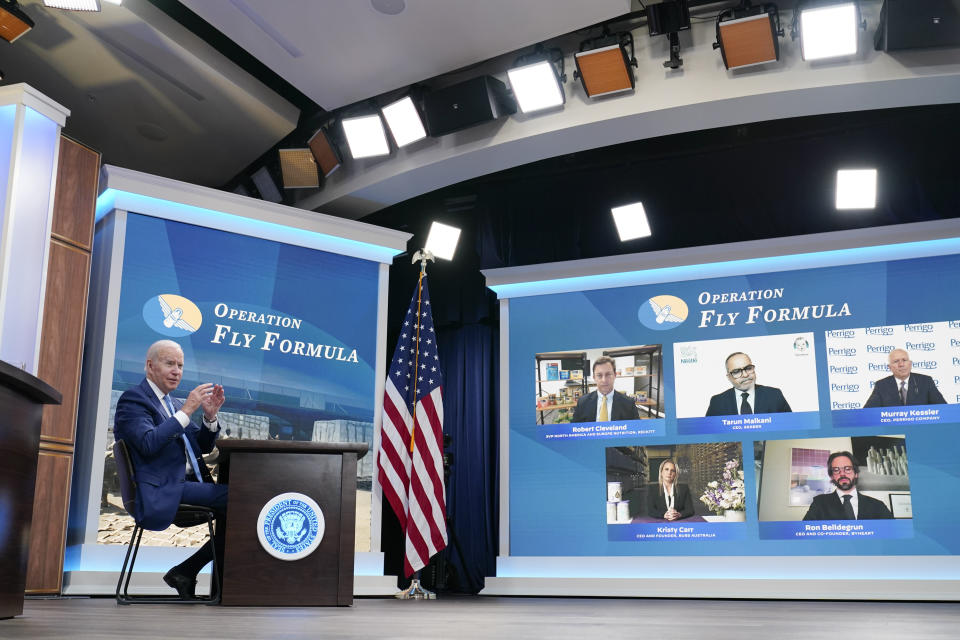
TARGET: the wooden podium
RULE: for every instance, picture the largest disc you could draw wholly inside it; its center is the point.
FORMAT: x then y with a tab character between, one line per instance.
257	471
22	397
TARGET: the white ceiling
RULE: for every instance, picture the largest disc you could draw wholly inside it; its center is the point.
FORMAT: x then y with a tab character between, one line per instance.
146	92
338	52
154	97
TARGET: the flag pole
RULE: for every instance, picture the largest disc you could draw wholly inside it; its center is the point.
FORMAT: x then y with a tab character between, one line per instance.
416	591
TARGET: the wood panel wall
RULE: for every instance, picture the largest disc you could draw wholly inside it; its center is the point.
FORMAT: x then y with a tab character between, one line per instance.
61	353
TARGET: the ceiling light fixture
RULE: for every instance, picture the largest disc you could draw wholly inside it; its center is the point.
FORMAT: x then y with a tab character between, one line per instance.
827	28
747	35
669	18
403	119
442	240
14	22
536	82
298	169
366	137
915	24
73	5
631	221
856	189
324	152
603	65
265	185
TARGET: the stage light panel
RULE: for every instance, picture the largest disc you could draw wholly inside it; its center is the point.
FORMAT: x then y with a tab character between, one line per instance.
73	5
536	86
856	189
404	121
366	136
324	152
631	221
264	183
298	168
828	31
442	240
604	71
14	22
748	41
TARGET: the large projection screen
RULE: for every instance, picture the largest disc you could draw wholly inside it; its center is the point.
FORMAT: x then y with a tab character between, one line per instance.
287	314
813	329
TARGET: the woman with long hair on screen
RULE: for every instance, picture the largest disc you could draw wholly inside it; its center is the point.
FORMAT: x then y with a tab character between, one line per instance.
669	499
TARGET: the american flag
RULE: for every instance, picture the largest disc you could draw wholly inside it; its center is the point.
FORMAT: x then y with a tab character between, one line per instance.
410	461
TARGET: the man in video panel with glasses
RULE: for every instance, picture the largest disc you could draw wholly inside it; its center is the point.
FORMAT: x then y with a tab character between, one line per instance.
746	396
846	503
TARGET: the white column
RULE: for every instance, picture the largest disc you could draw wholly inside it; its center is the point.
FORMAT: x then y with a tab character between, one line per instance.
29	148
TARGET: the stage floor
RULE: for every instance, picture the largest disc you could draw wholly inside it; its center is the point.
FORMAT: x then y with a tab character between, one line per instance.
465	617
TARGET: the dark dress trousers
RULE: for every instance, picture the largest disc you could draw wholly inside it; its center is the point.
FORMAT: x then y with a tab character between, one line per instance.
829	507
766	400
657	503
920	390
157	453
623	408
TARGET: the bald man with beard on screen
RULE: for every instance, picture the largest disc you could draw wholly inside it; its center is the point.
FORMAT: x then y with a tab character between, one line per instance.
745	396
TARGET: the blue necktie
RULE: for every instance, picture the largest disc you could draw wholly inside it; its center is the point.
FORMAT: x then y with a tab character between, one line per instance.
191	457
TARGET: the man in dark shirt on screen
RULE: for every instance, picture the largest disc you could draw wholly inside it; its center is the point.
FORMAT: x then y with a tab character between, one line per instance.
746	396
846	503
903	387
605	404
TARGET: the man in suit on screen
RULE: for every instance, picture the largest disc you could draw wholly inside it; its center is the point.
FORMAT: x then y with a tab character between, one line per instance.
846	503
745	396
165	447
605	404
903	387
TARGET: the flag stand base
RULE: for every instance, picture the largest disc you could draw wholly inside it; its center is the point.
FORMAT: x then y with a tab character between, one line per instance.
415	592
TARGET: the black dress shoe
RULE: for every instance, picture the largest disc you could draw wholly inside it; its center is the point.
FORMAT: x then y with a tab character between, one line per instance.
186	587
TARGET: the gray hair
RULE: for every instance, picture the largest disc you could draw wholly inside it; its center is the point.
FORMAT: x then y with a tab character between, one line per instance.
154	351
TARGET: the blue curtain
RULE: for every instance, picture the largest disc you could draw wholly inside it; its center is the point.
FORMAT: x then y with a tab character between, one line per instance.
468	356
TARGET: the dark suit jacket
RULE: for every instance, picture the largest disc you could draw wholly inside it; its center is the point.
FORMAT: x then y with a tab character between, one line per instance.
623	408
157	453
829	507
766	400
920	390
657	504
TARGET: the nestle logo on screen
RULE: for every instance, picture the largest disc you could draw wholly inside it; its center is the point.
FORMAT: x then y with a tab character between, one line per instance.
848	370
879	331
843	333
844	351
849	388
921	346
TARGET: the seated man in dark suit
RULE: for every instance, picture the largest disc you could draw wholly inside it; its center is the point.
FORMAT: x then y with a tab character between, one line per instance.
165	449
746	396
611	404
846	503
903	387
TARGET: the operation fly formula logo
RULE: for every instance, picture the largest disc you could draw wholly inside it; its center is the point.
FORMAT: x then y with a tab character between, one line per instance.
172	315
661	313
290	526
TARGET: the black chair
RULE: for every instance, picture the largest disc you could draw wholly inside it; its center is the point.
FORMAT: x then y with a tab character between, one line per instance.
187	515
